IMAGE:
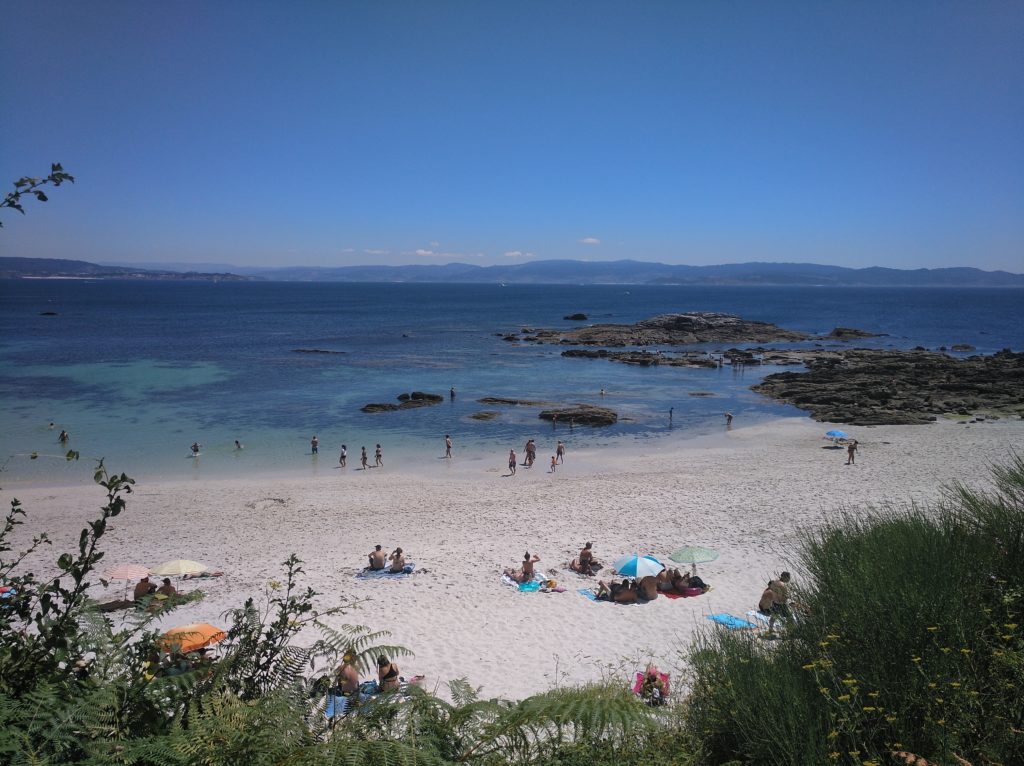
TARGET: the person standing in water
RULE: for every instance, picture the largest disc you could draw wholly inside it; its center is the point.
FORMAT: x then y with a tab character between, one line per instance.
238	444
447	445
451	393
63	437
314	444
379	457
364	460
343	457
195	449
728	420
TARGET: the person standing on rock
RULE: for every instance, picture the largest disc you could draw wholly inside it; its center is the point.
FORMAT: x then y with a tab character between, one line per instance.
851	452
448	445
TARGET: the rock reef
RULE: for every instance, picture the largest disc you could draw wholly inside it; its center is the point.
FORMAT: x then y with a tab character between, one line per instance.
407	402
582	415
884	387
670	329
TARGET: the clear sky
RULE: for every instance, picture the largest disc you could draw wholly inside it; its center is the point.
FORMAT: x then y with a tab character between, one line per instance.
336	133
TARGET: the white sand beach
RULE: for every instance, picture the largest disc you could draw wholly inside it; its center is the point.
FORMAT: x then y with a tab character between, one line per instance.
746	494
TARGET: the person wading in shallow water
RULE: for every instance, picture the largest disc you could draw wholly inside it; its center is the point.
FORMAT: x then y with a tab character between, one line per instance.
448	445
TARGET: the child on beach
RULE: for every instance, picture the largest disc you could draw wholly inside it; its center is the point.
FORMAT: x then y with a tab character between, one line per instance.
554	462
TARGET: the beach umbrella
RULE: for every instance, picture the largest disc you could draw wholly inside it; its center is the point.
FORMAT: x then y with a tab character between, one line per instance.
179	567
836	434
693	555
635	565
189	638
126	572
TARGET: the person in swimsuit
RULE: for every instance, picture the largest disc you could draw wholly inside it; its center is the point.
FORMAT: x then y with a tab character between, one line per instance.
448	445
767	600
314	444
195	449
379	456
512	462
554	463
347	678
365	461
167	589
584	563
397	559
63	437
387	674
560	452
728	419
851	452
377	558
343	457
527	570
238	444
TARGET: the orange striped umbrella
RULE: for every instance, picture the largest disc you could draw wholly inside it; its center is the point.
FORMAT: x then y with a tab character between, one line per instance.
126	572
189	638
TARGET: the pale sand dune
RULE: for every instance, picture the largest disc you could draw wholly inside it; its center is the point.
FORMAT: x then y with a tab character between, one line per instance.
746	494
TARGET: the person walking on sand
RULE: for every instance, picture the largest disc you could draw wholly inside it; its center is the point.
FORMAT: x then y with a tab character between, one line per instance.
447	445
554	462
364	460
851	452
512	462
343	457
378	456
560	452
314	444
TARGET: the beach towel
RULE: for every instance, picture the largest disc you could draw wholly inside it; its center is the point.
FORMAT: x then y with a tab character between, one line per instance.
759	616
731	621
588	593
534	585
373	574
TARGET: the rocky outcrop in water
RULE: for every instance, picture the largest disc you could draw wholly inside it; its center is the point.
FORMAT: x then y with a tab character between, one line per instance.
876	387
408	402
518	402
671	329
576	317
849	333
643	358
485	415
581	415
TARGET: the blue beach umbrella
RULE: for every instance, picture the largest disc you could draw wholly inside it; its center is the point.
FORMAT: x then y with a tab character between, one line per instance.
836	434
635	565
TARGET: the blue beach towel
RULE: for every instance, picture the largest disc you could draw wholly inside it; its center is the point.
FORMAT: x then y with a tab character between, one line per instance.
731	621
373	574
588	593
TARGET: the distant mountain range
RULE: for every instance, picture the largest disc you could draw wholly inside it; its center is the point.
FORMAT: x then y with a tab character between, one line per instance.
534	272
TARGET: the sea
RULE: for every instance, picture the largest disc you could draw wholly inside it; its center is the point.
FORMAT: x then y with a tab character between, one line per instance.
136	371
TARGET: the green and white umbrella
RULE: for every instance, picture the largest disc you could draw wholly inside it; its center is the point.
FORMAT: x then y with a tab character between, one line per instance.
693	555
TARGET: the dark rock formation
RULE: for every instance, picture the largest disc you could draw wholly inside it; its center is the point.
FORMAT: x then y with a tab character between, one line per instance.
642	358
962	347
576	317
673	329
315	351
47	313
848	333
485	415
408	402
875	387
581	414
520	402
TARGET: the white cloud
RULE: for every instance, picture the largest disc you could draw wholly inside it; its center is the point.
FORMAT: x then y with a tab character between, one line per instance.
435	244
348	249
590	241
425	253
518	254
372	251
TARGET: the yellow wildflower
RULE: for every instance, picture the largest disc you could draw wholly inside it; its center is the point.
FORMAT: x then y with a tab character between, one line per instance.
933	629
843	697
1010	626
955	684
915	659
833	636
811	666
873	695
945	650
834	755
965	651
850	681
931	686
890	718
868	709
833	734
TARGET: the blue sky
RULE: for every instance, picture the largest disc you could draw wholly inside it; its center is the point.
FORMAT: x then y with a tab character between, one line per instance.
336	133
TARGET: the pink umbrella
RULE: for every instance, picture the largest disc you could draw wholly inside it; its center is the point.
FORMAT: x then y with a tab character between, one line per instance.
127	572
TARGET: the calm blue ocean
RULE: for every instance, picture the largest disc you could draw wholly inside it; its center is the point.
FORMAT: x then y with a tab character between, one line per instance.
137	371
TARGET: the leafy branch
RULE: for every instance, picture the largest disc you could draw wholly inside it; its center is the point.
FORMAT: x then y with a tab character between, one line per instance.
31	186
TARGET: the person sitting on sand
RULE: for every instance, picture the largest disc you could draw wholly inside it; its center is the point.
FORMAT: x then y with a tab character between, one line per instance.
767	600
397	559
387	674
144	588
525	572
377	558
347	676
626	593
584	563
647	588
653	689
167	589
780	598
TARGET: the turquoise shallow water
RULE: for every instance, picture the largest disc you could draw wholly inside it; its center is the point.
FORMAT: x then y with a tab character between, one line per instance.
137	371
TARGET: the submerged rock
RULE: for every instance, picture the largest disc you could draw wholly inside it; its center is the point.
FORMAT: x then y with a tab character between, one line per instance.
576	317
485	415
517	402
846	333
408	402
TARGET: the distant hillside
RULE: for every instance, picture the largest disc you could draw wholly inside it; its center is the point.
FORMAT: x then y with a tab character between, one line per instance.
59	268
640	272
537	272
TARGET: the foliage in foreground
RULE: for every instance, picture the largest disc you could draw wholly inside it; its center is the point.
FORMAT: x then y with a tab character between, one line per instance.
75	691
911	639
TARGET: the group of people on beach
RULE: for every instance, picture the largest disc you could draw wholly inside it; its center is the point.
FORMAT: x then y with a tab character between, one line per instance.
633	589
364	459
379	560
530	452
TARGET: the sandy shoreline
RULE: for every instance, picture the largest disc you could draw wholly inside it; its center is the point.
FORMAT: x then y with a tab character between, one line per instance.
746	493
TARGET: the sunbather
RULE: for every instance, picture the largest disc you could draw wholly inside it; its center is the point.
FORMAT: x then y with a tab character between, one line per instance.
584	563
397	559
387	674
347	678
653	689
144	588
377	558
167	589
647	588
